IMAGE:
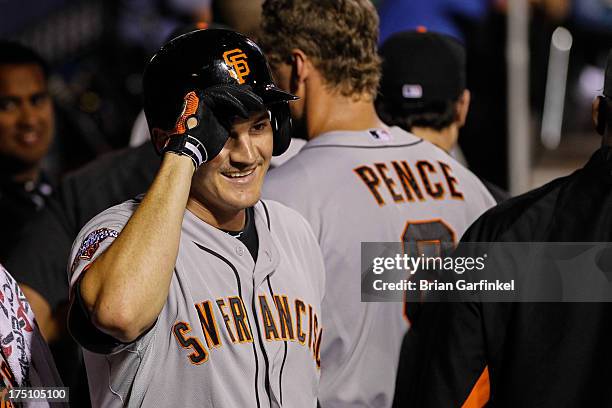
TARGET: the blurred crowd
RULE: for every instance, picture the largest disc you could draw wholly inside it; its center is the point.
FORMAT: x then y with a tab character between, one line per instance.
70	111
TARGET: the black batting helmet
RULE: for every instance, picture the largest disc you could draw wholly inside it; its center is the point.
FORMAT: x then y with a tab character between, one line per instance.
202	58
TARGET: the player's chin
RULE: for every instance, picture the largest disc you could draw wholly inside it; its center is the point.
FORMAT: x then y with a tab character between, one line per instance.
242	199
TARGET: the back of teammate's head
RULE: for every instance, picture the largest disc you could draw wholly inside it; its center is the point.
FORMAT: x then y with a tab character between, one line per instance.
602	115
13	53
338	36
423	77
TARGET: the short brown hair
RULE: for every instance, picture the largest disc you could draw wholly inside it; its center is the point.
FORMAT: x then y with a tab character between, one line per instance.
340	36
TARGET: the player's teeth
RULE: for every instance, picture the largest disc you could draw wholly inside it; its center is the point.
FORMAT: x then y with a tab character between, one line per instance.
241	174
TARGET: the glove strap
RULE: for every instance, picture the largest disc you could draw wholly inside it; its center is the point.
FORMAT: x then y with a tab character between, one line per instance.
186	145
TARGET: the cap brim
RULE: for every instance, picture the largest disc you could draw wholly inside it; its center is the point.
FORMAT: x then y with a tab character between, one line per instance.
272	94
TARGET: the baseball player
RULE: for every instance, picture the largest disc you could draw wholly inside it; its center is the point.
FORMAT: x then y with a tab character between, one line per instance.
536	354
199	294
356	180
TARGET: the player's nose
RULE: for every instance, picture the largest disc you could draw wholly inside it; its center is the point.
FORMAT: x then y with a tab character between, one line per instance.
242	150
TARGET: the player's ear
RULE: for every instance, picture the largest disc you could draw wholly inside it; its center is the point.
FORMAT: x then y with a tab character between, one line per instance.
300	68
599	114
462	107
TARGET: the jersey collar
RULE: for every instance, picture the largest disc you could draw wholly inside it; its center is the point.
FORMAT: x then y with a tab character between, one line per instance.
206	235
373	138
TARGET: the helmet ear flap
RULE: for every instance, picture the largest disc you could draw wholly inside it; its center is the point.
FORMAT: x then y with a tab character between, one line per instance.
280	119
602	115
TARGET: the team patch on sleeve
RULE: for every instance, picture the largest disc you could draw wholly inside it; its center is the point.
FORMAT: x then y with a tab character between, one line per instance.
90	245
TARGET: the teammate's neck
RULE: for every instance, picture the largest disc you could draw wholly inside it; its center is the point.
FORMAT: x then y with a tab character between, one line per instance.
327	112
225	220
445	139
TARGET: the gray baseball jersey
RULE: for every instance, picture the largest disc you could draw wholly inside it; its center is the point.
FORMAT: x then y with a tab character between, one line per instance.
233	332
369	186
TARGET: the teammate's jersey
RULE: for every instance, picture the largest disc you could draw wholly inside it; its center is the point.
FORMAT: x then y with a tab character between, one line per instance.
233	333
369	186
25	358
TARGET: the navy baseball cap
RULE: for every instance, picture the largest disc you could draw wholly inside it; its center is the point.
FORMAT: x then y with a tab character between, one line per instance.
422	66
608	79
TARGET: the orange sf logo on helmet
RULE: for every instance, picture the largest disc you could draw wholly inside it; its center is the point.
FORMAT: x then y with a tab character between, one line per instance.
236	59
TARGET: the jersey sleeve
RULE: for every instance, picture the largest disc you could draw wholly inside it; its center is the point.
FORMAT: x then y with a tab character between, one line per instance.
95	238
92	241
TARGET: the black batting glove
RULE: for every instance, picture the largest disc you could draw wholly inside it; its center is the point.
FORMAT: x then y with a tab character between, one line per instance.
203	126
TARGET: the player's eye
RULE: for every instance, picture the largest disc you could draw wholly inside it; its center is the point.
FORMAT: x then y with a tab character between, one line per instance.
260	126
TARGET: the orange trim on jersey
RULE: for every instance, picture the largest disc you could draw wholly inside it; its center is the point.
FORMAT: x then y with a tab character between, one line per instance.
269	325
437	194
188	343
318	349
285	320
300	307
310	326
451	181
421	243
389	182
372	184
315	338
432	220
209	324
239	316
481	392
408	181
221	304
418	222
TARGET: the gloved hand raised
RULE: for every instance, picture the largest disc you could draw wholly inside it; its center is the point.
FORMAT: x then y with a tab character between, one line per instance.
203	126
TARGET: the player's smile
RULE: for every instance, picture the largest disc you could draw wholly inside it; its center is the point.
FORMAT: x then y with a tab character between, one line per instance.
241	177
232	181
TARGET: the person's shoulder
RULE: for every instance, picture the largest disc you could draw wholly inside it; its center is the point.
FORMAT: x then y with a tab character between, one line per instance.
289	181
292	231
113	217
469	182
283	218
101	229
279	213
521	214
295	167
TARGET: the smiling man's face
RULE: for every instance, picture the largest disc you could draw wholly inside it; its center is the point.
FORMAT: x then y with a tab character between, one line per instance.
26	115
232	180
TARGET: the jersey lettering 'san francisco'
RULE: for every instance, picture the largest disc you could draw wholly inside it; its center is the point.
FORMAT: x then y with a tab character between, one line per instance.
280	323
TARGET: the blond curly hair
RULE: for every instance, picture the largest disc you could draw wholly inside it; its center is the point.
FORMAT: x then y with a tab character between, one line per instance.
339	36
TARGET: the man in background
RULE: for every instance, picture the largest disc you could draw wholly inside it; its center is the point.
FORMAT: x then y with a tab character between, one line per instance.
356	180
26	132
540	354
423	89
